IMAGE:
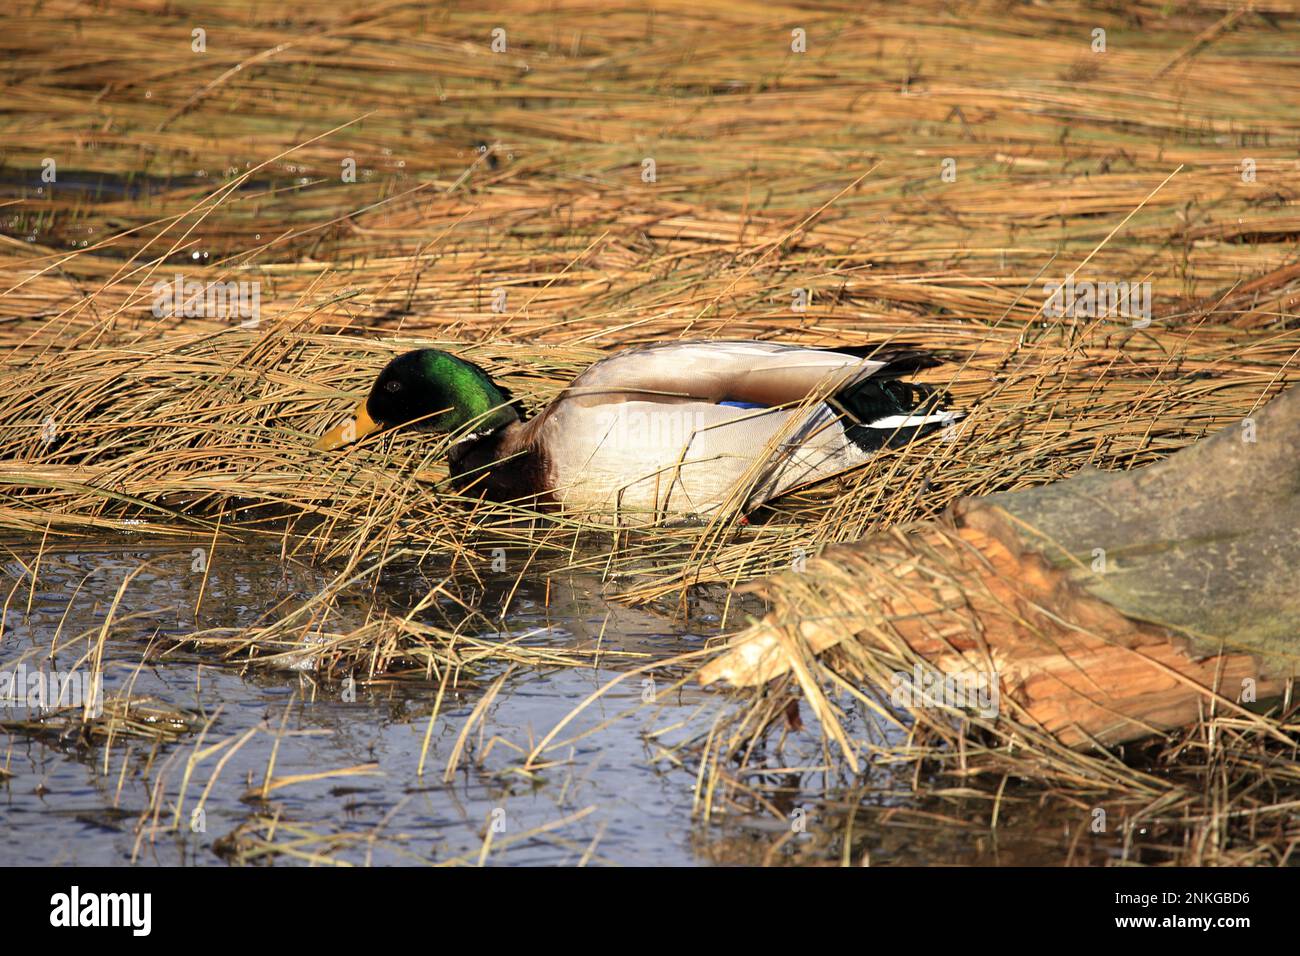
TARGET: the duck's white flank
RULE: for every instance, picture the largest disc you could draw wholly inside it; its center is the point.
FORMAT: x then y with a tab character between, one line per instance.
643	434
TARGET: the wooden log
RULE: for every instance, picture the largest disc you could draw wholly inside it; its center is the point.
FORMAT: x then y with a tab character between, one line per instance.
1196	597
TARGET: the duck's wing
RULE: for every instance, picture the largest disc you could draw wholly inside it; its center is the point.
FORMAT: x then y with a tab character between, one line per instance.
646	461
760	373
656	430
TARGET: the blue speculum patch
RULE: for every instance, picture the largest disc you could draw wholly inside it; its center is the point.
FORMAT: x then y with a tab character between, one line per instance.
742	404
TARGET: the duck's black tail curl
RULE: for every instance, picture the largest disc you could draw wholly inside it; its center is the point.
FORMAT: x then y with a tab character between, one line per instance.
889	413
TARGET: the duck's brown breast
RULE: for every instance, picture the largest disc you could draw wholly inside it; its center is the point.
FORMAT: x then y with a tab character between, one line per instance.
498	467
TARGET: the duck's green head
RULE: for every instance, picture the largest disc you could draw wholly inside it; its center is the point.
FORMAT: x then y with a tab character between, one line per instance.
427	389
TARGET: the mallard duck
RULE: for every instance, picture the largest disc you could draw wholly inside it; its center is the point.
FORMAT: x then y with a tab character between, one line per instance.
661	432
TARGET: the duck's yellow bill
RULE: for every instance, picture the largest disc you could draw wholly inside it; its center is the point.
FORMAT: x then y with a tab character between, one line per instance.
354	429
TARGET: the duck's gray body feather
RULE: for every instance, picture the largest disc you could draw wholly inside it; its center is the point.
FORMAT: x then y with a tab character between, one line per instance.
641	435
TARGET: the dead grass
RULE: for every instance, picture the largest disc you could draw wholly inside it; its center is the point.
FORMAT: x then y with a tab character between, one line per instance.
1223	792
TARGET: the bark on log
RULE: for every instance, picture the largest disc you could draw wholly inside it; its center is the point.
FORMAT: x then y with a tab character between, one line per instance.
1109	605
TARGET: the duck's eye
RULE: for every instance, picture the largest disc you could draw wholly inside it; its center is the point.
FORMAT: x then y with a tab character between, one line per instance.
393	386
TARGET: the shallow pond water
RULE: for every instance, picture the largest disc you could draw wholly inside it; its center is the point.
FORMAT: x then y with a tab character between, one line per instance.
608	797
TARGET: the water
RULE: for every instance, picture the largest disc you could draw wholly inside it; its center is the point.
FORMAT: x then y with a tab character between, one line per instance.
61	805
608	797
